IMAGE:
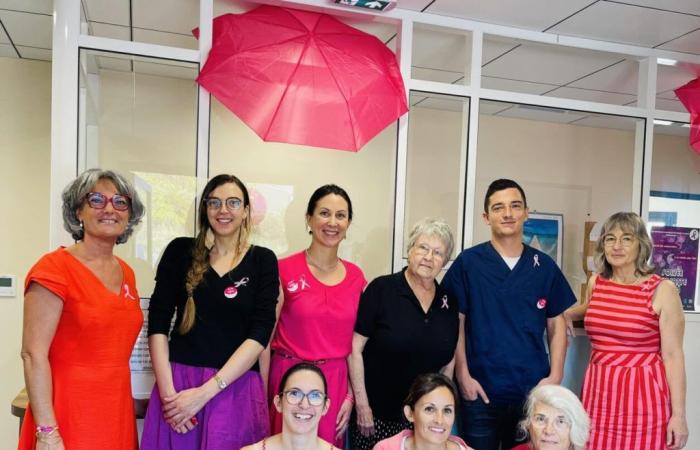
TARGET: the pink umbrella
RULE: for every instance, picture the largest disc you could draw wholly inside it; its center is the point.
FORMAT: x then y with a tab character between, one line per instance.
689	95
303	77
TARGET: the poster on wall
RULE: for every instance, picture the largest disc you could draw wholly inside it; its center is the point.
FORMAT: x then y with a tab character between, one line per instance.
545	232
675	256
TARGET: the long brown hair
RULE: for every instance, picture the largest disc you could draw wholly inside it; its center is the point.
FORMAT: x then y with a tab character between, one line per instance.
200	251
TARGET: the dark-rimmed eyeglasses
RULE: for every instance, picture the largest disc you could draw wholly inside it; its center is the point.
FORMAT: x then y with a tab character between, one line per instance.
296	396
97	200
232	203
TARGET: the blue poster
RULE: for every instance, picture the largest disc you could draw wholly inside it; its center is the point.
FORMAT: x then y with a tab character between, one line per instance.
544	232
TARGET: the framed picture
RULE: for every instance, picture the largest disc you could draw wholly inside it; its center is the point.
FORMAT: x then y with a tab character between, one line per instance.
545	232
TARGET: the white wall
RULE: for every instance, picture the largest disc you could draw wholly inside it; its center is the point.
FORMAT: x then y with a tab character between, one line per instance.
25	117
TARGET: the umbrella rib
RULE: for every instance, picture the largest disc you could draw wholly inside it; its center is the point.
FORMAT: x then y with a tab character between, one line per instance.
335	80
286	89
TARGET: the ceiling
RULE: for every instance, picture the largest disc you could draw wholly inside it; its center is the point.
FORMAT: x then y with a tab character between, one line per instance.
438	55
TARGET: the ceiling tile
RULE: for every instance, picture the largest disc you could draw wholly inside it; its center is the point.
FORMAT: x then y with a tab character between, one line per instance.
3	37
169	39
592	96
605	21
35	6
383	31
179	16
547	64
414	5
35	53
34	30
538	15
441	49
620	78
441	76
543	114
674	130
683	6
109	31
515	85
6	51
690	43
670	105
442	104
165	70
672	77
490	108
115	12
495	46
602	121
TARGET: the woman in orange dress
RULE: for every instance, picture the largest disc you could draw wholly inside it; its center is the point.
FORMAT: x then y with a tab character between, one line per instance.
81	318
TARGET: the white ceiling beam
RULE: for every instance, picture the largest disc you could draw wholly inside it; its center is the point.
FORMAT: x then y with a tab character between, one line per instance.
139	48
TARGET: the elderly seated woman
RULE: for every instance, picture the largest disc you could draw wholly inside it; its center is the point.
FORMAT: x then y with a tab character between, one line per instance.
406	325
554	420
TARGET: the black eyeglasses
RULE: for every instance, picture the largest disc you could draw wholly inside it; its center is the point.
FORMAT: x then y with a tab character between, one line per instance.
232	203
97	200
296	396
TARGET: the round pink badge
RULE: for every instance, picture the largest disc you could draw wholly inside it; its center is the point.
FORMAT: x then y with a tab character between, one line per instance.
541	303
230	292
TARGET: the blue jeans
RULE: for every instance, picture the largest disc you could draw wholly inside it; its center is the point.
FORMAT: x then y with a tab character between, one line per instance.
492	426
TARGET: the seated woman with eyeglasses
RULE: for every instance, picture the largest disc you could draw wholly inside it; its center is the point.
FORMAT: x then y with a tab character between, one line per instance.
406	325
554	420
209	393
301	402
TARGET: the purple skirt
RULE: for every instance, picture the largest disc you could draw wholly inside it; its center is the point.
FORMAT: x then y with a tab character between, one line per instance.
236	417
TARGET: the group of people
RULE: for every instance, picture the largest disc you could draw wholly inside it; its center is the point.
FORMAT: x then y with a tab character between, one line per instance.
251	352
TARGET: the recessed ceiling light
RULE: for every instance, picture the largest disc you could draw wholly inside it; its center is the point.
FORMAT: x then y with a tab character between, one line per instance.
666	61
662	122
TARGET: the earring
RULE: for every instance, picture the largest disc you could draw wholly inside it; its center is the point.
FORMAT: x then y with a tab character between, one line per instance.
81	224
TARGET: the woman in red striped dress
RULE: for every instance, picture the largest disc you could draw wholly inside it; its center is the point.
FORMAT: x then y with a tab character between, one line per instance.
634	388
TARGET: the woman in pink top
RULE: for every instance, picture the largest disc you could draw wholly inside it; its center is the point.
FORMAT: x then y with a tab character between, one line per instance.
317	314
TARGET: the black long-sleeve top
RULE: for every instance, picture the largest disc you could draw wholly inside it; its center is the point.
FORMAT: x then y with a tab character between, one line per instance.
237	306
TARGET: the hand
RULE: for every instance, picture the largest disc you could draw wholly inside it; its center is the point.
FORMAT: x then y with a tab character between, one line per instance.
569	324
181	407
53	442
365	420
470	389
549	380
677	433
343	419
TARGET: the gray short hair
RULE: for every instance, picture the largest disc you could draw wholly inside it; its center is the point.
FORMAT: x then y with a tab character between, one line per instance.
432	226
631	223
74	196
564	400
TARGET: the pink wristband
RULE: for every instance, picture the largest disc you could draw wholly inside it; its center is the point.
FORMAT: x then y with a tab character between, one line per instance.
350	398
46	429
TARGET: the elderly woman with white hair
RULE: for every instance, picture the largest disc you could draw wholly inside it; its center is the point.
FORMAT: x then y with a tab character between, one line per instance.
81	318
554	420
407	325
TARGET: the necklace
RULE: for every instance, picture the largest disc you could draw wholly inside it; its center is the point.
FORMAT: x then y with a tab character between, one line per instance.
330	268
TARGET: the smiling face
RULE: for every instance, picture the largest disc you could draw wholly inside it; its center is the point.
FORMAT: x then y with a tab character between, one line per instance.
621	248
106	223
303	417
329	221
506	213
549	428
427	256
432	416
225	220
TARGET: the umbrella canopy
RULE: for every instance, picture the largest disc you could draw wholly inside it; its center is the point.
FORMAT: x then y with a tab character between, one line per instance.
689	95
303	77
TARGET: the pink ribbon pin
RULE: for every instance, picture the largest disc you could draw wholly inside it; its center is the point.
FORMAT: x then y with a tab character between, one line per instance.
444	303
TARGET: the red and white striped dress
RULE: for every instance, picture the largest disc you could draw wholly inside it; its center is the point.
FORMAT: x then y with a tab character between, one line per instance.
625	391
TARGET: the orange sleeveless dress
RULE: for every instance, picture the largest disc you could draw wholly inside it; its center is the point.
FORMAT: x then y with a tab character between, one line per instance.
89	356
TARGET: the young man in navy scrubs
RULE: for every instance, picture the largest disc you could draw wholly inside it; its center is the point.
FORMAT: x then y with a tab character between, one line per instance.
508	294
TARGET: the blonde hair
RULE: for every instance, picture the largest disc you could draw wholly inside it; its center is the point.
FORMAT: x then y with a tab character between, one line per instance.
627	222
200	250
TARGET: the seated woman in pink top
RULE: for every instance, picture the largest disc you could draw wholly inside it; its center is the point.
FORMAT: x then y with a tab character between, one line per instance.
317	313
430	406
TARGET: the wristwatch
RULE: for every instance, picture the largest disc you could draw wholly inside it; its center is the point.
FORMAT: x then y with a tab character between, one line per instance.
220	382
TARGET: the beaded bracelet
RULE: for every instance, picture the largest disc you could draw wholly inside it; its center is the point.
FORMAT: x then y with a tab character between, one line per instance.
44	432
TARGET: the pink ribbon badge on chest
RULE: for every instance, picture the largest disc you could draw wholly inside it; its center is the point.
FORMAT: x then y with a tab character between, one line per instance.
541	303
127	294
232	291
295	285
444	303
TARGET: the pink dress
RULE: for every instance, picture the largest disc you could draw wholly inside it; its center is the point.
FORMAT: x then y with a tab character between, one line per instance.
625	391
315	325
